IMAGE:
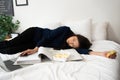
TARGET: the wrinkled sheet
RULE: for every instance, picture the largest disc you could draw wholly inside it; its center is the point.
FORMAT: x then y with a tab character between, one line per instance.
91	68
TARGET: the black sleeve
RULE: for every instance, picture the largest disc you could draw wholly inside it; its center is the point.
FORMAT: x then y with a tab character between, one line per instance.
83	51
41	42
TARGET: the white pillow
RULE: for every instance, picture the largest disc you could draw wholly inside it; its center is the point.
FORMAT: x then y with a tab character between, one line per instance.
99	31
51	25
80	27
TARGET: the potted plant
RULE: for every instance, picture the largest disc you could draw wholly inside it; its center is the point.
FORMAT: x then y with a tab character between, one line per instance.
7	26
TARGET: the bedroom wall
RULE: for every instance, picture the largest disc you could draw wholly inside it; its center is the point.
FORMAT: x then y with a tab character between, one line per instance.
48	11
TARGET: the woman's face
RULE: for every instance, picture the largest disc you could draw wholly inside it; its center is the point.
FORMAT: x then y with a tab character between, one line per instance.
73	42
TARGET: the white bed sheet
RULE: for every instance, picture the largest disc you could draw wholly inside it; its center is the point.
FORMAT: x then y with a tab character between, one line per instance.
92	68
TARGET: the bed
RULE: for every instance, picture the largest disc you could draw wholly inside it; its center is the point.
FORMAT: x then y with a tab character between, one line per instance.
91	68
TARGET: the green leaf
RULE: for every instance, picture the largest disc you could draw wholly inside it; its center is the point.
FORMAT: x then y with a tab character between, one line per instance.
7	26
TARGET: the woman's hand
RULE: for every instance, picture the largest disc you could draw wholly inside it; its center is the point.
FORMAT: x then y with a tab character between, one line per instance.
29	51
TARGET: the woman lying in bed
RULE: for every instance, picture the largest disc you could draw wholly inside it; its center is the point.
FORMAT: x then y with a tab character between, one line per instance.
62	37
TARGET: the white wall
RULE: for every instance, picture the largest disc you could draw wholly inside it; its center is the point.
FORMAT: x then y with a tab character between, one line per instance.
41	11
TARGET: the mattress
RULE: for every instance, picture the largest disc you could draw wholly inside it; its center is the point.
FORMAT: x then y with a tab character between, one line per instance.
91	68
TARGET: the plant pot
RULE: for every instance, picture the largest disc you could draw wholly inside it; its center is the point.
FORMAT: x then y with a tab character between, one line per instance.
8	36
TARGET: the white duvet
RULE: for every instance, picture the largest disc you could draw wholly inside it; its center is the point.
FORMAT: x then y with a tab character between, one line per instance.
92	68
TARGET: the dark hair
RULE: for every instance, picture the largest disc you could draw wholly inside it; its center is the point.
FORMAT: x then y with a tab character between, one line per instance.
84	42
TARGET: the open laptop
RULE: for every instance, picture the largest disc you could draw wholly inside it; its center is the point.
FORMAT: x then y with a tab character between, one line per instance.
8	65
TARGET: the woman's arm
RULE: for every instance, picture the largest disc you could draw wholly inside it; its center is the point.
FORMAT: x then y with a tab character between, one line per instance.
98	53
29	51
104	54
90	52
